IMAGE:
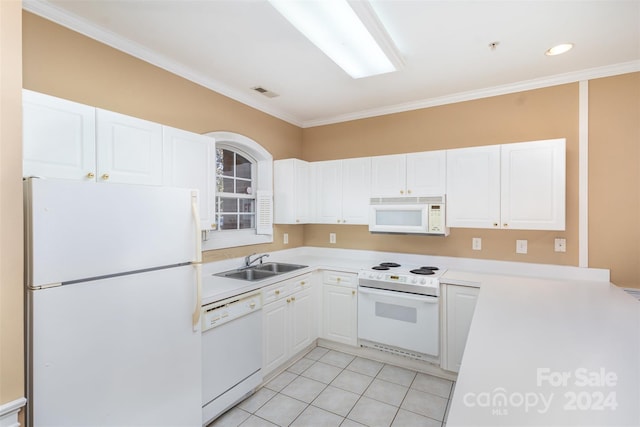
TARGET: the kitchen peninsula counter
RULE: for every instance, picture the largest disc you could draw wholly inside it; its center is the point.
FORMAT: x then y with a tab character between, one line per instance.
548	352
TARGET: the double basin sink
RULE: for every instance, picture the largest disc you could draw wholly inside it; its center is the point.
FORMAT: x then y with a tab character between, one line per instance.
261	271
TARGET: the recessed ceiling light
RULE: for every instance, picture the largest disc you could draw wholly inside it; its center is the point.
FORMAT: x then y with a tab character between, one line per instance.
559	49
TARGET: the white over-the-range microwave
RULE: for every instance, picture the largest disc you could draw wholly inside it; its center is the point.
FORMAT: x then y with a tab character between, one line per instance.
408	215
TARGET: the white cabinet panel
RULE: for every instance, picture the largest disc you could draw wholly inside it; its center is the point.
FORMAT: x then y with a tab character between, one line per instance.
460	305
58	138
288	320
533	185
473	187
426	173
510	186
188	159
328	192
412	175
129	149
356	190
340	308
291	182
388	175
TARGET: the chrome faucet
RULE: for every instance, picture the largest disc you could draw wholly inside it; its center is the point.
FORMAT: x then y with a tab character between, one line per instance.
248	261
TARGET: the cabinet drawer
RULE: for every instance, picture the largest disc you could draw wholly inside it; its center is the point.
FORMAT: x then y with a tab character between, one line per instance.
339	278
276	292
301	283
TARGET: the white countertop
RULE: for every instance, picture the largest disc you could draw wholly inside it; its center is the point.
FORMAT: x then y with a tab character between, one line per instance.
527	333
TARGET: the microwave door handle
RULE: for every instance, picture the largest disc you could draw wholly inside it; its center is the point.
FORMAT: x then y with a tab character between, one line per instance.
402	295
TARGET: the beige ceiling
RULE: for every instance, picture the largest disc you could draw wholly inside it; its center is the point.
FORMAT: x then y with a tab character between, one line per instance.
231	46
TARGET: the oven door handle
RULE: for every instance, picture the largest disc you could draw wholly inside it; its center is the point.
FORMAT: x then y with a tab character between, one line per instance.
395	294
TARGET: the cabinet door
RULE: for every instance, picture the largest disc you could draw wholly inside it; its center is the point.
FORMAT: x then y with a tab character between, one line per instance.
274	335
129	149
426	173
356	190
187	163
328	195
301	320
533	185
340	316
59	138
388	176
461	303
291	191
473	187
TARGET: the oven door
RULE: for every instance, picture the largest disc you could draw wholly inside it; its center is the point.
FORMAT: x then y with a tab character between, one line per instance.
399	319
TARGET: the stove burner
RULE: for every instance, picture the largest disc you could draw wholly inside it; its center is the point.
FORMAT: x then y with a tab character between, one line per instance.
380	267
429	268
422	271
389	264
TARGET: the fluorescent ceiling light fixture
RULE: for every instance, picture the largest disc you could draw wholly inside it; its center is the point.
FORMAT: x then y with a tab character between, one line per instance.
559	49
348	32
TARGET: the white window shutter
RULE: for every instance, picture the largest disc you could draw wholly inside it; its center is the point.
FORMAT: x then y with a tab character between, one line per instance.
264	212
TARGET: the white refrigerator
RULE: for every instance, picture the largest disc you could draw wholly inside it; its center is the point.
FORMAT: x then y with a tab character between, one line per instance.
113	305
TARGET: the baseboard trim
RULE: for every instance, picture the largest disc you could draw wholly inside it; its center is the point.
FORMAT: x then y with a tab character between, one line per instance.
9	412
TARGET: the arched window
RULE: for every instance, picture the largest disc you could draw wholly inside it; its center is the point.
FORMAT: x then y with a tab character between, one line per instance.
243	189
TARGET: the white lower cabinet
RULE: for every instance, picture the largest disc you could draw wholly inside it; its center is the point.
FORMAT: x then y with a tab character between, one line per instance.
288	320
340	307
459	305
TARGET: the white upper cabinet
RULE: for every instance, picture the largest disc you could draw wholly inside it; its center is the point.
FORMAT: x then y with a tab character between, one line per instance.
473	187
342	191
413	174
59	138
188	159
129	150
511	186
533	185
291	191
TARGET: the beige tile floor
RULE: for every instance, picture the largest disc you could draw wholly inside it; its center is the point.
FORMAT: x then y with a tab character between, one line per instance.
331	388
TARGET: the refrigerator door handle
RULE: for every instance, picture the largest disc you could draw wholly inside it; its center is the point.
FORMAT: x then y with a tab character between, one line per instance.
198	260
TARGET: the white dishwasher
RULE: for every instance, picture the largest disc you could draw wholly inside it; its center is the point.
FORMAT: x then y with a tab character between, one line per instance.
231	352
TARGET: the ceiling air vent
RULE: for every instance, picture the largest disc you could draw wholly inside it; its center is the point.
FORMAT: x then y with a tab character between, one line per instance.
265	92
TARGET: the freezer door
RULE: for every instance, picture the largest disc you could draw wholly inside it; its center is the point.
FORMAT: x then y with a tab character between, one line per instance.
82	230
114	352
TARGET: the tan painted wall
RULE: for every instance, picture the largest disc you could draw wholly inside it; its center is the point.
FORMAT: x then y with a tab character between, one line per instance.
614	177
11	254
525	116
66	64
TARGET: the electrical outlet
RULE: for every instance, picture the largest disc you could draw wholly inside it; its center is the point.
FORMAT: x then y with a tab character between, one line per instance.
476	244
560	245
285	238
521	246
332	238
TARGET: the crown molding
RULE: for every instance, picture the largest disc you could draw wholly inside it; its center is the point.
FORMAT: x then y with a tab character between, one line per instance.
61	17
555	80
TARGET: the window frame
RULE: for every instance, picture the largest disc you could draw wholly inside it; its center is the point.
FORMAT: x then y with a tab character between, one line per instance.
263	179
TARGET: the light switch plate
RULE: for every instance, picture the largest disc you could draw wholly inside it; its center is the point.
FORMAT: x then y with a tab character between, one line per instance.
332	238
286	238
521	246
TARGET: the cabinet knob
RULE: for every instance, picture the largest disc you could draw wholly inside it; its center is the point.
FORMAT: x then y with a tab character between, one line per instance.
401	191
91	175
297	220
288	300
277	292
105	176
293	298
337	279
495	224
353	292
505	225
252	305
408	191
303	283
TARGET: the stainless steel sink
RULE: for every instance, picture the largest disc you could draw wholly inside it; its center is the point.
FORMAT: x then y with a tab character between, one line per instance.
261	271
279	267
